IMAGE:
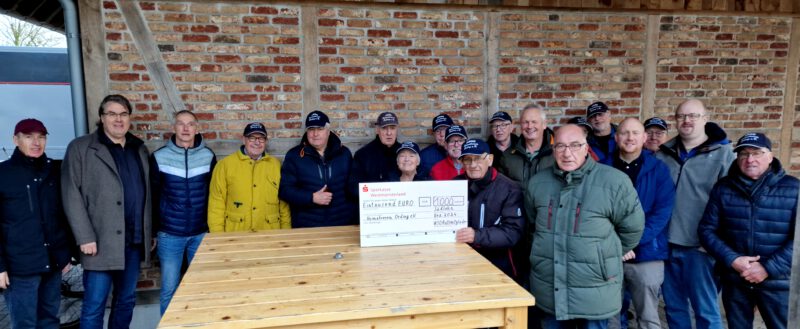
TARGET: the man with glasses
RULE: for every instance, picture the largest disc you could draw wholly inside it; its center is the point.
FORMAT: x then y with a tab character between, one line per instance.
315	177
432	154
501	136
748	226
644	265
495	220
602	138
35	240
451	166
180	177
656	129
697	158
376	161
105	185
586	217
532	153
244	188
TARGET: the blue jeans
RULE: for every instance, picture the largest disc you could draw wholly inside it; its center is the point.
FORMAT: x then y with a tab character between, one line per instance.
97	284
33	300
549	322
689	278
171	251
740	300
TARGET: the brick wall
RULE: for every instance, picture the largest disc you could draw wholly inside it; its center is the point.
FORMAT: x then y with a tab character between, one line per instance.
234	62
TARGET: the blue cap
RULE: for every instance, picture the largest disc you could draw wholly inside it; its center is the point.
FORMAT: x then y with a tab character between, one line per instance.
757	140
655	122
500	115
408	145
441	120
255	128
317	119
474	147
386	119
455	130
596	108
581	121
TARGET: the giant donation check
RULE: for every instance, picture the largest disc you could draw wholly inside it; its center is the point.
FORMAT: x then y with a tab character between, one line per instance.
411	212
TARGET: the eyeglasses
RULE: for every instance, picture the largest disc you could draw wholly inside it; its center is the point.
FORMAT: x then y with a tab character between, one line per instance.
259	139
122	115
456	142
500	126
656	134
574	147
689	116
469	160
754	154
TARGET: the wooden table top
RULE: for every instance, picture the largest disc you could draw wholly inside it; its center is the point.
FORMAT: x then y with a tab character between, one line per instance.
291	277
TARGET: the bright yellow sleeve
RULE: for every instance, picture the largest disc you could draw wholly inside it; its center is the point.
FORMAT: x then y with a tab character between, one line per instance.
216	198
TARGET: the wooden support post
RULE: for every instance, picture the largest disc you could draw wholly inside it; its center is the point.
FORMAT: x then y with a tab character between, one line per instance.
93	47
790	95
650	64
492	57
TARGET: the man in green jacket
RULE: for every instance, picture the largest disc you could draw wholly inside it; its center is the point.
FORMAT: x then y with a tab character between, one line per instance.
532	152
586	216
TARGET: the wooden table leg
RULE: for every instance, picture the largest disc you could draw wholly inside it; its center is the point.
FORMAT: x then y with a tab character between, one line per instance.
516	318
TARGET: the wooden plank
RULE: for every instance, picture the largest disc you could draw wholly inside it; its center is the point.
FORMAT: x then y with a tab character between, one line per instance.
491	69
693	5
156	68
278	313
93	47
650	65
790	100
516	318
464	319
308	29
788	7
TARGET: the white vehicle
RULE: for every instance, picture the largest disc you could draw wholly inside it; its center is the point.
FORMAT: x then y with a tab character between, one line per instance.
35	83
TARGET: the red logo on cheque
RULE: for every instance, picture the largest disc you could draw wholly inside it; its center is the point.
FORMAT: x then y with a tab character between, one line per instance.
365	188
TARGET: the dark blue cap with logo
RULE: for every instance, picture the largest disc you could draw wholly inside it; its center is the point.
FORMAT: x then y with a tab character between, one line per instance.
581	121
317	119
474	147
757	140
408	145
386	119
500	115
655	122
455	130
441	120
255	128
596	108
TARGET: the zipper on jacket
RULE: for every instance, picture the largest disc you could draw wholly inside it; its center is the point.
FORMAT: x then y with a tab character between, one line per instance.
549	213
577	219
483	208
30	198
185	184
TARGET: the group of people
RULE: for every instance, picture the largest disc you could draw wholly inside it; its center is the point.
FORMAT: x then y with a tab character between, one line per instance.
591	218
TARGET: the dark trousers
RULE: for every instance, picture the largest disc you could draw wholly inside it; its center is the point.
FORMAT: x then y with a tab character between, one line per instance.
33	300
739	301
97	285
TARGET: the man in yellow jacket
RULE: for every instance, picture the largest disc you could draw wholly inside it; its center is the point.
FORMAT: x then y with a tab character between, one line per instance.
244	188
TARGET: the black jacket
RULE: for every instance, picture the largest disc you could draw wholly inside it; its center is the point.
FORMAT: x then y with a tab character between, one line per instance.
496	152
375	162
34	233
495	212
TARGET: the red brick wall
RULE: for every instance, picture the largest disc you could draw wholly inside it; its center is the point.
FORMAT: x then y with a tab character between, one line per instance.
234	62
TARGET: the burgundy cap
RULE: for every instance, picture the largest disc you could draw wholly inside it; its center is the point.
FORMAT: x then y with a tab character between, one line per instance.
27	126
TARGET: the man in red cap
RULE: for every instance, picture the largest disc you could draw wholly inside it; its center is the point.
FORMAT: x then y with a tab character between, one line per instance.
34	234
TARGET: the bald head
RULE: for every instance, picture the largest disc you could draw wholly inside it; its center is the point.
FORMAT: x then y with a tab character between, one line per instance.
570	147
630	138
691	119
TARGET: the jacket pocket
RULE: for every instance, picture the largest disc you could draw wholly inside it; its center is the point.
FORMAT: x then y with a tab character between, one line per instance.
273	221
602	262
30	198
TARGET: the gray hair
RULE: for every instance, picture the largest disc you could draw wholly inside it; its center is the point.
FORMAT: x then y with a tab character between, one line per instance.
536	107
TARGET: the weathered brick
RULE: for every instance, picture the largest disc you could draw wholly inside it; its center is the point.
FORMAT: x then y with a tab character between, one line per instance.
195	38
446	34
285	20
264	10
379	33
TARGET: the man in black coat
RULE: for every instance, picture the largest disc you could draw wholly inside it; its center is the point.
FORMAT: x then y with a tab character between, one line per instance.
495	208
34	234
375	161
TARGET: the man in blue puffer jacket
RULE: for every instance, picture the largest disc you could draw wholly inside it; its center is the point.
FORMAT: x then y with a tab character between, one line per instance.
644	267
181	172
748	226
315	177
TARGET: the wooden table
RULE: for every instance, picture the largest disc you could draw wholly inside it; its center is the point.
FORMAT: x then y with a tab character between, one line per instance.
291	278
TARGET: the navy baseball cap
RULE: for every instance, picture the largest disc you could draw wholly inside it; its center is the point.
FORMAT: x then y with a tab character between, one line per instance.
27	126
456	130
474	147
581	121
386	119
500	115
255	128
596	108
655	122
441	120
757	140
408	145
317	119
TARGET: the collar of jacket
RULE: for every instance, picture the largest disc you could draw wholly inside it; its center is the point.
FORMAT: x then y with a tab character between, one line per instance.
477	185
576	176
716	138
243	155
18	158
548	138
130	139
770	177
334	147
198	144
